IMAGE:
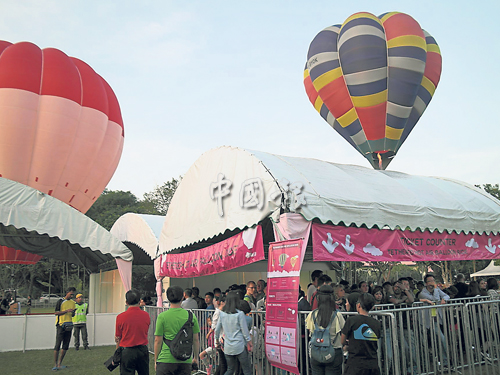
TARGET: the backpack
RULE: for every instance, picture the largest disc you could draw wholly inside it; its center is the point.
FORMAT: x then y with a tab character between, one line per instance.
181	347
320	346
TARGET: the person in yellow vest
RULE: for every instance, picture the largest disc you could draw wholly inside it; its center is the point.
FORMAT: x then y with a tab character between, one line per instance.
64	311
80	322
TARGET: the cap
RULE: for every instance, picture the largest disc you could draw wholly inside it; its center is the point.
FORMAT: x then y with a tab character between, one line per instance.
79	295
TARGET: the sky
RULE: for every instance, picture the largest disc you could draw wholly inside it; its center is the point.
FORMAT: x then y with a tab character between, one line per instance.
191	76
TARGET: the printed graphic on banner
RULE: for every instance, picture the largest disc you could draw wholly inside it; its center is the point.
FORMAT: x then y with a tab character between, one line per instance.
360	244
285	260
283	276
244	248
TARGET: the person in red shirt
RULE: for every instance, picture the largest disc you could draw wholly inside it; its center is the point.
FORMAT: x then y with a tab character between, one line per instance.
131	334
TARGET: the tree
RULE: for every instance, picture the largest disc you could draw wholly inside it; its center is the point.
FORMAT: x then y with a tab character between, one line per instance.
162	195
493	190
114	203
382	270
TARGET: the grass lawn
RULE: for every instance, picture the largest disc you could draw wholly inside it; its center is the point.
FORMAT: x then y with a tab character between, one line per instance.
82	362
38	310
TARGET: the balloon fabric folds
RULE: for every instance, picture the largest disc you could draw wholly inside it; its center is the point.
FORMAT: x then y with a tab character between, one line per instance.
371	79
9	255
61	129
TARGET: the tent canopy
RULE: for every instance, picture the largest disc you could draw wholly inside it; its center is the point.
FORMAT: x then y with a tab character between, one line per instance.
38	223
490	270
140	233
228	189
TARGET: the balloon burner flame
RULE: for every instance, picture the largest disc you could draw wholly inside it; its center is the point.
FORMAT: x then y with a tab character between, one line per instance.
379	161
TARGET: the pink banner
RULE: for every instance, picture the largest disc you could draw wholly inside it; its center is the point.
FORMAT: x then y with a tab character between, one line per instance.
337	243
244	248
283	278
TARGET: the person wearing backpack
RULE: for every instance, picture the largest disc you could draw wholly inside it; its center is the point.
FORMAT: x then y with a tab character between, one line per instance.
176	337
237	341
325	325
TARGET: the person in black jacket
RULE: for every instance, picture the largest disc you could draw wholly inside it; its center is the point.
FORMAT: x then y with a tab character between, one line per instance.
196	296
461	286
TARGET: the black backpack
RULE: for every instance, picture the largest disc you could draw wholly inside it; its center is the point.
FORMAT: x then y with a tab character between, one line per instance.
181	346
320	346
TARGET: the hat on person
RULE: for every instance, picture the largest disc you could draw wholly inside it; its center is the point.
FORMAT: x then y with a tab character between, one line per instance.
79	295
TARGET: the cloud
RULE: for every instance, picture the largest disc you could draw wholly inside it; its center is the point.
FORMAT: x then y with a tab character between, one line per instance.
370	249
472	243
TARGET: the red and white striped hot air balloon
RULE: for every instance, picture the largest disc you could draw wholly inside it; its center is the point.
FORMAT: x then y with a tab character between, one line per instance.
61	129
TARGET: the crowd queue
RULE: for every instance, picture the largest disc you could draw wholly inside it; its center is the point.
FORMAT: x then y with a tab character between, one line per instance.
230	333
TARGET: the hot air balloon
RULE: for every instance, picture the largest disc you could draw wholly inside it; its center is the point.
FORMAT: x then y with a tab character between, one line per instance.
61	129
282	259
371	79
9	255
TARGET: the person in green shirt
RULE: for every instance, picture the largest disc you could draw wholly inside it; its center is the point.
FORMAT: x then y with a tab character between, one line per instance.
80	322
168	324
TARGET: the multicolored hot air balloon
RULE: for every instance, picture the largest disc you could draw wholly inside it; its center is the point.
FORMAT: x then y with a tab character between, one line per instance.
371	79
61	129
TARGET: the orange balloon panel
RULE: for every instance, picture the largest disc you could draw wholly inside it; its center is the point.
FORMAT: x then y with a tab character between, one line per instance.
61	129
9	255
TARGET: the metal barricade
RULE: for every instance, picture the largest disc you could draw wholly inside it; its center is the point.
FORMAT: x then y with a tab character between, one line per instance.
460	337
483	339
153	312
435	339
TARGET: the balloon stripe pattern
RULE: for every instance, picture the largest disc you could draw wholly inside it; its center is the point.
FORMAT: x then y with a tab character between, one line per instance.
9	255
371	79
61	129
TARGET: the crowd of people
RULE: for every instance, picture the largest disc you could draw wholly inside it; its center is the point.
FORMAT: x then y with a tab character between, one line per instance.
230	333
402	293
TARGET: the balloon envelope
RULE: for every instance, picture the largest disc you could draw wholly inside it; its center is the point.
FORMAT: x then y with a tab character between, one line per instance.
9	255
371	79
61	129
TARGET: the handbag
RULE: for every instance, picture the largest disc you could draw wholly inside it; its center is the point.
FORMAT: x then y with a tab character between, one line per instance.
67	326
114	361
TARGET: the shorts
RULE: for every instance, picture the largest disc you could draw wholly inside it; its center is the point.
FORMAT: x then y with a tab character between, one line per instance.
62	336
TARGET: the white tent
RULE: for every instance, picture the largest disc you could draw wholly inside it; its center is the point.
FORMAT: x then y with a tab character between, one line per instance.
38	223
140	233
490	270
228	189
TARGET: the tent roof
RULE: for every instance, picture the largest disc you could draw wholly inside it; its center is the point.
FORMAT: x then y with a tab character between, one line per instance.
490	270
38	223
329	192
142	231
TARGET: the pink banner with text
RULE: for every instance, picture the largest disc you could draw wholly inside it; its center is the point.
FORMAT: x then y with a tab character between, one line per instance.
283	278
244	248
373	245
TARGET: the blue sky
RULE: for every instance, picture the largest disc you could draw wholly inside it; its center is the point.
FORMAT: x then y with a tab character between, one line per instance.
195	75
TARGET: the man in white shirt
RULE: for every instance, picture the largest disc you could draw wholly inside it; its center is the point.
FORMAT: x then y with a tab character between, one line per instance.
189	303
432	295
